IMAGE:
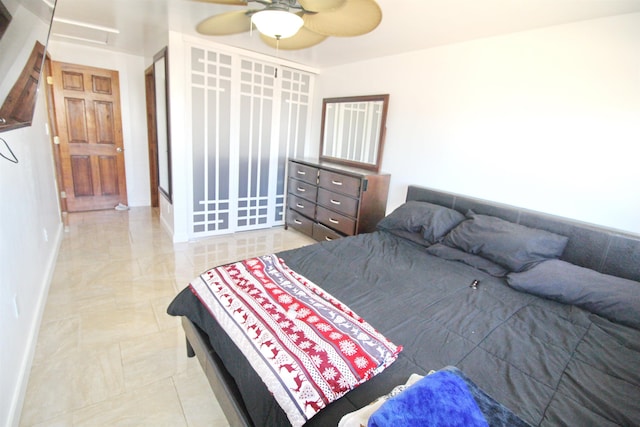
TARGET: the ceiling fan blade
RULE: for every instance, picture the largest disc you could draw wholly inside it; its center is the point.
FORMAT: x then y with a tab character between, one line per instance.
304	38
320	5
225	23
353	18
228	2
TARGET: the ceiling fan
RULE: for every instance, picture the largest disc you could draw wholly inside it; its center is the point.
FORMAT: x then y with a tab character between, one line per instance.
295	24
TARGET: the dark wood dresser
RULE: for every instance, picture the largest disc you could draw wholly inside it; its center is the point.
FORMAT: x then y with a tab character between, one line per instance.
328	201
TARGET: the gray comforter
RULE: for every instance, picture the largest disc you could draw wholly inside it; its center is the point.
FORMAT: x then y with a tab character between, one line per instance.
549	363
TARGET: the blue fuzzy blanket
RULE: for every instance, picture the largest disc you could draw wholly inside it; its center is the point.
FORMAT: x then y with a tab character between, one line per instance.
444	398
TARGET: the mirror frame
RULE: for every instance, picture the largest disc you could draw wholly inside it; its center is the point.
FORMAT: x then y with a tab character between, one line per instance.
163	130
375	166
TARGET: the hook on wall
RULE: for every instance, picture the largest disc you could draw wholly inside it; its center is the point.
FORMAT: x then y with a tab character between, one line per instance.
13	158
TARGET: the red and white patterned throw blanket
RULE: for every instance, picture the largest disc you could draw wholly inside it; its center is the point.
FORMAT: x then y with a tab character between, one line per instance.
308	347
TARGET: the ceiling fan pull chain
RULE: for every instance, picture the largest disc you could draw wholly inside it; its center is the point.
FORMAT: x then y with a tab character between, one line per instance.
277	55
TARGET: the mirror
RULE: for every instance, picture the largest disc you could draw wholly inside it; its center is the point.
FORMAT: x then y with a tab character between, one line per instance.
160	73
353	130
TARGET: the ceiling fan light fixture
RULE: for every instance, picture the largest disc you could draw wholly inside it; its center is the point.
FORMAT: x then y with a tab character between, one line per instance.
278	24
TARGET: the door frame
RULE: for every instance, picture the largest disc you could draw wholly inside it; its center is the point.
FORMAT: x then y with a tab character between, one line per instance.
55	145
152	135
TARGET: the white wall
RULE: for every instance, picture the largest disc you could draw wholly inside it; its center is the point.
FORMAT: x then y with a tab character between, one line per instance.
175	214
31	229
132	99
30	233
546	119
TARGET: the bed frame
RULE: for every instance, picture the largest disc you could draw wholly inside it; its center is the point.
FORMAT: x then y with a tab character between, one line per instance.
602	249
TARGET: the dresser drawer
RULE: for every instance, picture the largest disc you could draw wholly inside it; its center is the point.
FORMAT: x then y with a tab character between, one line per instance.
322	233
303	189
303	172
301	205
338	202
299	222
340	183
336	221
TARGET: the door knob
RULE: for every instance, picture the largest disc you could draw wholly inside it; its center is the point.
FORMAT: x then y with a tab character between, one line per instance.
119	150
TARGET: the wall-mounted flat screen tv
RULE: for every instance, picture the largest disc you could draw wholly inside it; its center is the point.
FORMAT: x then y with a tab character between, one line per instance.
24	32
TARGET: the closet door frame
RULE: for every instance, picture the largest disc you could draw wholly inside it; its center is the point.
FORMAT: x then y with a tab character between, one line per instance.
203	228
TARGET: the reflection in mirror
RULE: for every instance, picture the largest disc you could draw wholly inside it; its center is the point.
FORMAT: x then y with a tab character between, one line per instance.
353	130
162	123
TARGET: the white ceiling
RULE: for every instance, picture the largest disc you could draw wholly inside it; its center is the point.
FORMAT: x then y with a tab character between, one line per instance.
406	24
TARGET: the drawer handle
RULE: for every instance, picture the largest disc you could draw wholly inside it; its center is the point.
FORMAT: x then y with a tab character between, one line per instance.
336	182
302	190
297	221
301	172
334	221
299	205
327	238
336	202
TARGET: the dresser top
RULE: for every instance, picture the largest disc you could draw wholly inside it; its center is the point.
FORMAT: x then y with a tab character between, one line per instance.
333	167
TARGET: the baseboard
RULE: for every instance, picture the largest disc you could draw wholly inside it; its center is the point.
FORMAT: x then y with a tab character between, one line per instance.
17	400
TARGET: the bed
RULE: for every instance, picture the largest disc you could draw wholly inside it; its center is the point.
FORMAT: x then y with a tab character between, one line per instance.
548	328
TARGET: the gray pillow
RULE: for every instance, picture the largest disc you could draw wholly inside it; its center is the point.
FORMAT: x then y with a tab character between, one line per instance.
476	261
513	246
433	221
611	297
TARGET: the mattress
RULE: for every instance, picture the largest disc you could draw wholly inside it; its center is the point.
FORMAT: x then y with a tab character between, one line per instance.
549	363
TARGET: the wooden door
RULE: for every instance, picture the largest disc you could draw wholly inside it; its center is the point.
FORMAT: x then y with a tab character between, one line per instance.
88	116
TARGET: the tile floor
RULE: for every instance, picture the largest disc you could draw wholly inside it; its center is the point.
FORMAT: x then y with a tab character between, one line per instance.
107	353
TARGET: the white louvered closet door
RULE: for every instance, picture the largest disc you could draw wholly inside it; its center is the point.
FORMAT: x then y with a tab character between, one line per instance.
245	122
